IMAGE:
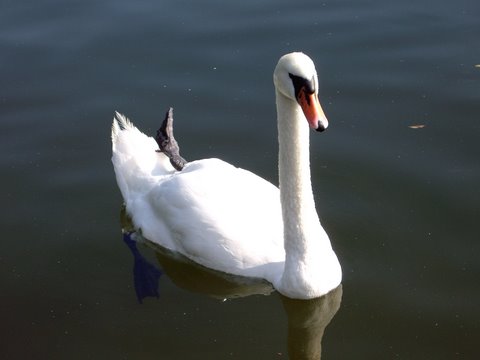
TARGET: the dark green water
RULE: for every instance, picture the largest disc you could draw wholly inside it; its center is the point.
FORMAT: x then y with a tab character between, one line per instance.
400	204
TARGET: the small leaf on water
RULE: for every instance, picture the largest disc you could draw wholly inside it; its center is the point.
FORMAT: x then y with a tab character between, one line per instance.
417	126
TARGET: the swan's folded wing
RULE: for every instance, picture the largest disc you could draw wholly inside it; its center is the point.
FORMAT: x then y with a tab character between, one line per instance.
220	216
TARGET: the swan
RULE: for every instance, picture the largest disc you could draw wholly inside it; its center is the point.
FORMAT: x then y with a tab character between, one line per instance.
229	219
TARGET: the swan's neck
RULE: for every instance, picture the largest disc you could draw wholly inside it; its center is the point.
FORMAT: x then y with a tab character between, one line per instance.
294	171
307	246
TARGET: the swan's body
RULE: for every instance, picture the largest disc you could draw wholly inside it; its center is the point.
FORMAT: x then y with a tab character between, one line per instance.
227	218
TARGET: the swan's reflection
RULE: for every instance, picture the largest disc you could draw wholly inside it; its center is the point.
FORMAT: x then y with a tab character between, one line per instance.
307	319
195	278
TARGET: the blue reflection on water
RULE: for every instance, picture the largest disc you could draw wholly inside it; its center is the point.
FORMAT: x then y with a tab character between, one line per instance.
145	274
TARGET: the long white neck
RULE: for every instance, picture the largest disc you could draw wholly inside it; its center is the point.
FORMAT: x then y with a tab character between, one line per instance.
309	255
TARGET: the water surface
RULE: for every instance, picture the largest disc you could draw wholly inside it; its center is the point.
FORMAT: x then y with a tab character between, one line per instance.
400	203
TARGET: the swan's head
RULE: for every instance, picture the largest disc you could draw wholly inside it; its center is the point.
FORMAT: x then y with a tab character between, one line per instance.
296	78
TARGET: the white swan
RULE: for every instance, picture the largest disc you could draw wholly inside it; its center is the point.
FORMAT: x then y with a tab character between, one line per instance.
227	218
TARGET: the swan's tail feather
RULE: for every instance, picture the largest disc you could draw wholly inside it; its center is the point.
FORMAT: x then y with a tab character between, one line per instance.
120	123
128	140
123	121
135	157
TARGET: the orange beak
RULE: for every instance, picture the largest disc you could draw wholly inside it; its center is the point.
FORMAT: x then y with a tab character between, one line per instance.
312	110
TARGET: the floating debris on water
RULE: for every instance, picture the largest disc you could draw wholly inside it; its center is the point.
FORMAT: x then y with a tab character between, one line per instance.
417	126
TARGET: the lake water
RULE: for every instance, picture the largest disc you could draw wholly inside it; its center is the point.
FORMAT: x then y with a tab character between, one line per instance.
396	176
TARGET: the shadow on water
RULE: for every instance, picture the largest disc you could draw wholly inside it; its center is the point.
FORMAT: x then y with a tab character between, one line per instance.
307	319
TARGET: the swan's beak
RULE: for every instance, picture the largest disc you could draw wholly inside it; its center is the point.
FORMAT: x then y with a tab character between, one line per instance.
312	110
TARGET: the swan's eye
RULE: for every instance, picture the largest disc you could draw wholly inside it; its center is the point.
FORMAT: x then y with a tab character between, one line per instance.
300	83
